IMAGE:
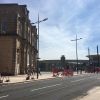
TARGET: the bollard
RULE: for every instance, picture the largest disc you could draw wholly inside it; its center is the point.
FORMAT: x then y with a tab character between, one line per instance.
1	81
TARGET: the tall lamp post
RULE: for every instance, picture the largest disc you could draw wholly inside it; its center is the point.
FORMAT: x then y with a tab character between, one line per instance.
89	56
97	56
38	22
76	50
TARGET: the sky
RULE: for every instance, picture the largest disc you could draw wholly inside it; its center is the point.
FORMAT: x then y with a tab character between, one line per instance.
66	18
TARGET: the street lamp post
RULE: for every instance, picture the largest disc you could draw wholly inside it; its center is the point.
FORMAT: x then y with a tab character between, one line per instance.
97	56
89	56
76	50
38	22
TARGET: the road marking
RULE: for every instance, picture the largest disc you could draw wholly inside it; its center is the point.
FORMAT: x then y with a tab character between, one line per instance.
45	87
80	79
98	78
4	96
77	80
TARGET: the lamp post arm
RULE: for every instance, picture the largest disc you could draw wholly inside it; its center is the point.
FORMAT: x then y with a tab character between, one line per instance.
76	39
40	21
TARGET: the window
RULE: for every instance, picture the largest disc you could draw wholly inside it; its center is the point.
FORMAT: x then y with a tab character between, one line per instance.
3	26
19	26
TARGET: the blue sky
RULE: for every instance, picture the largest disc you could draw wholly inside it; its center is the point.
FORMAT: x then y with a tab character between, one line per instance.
66	18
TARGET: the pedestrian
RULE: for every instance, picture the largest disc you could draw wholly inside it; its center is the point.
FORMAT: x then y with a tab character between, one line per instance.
39	71
34	70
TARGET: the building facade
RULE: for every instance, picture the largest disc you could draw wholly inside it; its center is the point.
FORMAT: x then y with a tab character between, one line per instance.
18	40
94	60
47	65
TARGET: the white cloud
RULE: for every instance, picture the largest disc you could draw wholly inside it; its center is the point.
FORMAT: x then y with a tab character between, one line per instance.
66	18
58	40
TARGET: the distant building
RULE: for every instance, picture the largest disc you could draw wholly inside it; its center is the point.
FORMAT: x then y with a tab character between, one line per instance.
47	65
94	60
18	39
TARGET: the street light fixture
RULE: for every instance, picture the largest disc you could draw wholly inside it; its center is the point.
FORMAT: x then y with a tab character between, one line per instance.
38	22
76	50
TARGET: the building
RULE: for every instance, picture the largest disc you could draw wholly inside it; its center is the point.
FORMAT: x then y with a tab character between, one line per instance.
94	60
46	65
18	39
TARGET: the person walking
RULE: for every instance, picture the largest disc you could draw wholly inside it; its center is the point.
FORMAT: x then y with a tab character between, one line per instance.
39	71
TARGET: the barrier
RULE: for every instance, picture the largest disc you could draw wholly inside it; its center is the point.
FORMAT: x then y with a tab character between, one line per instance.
67	72
64	72
93	70
55	72
97	70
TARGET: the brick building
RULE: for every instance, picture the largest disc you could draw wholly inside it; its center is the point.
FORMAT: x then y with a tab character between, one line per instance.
18	39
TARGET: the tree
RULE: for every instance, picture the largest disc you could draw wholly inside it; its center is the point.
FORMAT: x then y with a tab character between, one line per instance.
63	61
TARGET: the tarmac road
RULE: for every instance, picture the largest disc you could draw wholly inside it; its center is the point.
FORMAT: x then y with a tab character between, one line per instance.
65	88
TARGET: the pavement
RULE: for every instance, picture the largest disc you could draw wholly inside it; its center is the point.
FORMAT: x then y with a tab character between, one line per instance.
22	78
93	94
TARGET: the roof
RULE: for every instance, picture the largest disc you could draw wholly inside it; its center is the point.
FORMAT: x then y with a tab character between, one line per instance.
93	55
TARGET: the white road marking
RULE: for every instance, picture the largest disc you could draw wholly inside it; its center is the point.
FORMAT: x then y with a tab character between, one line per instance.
98	78
4	96
77	80
45	87
80	79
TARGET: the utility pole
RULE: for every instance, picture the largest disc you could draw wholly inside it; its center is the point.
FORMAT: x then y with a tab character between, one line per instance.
38	22
76	39
89	56
97	56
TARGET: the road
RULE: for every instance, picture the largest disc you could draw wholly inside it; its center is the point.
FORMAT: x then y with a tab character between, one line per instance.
66	88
